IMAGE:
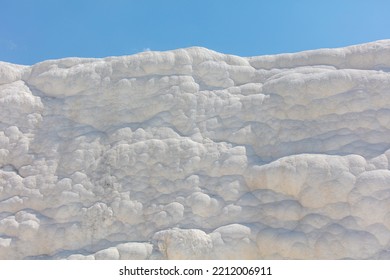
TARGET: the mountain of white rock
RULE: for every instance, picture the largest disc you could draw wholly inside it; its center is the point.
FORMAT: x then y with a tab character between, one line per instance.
193	154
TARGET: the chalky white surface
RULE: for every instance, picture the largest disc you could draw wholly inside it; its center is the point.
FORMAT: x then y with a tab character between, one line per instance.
193	154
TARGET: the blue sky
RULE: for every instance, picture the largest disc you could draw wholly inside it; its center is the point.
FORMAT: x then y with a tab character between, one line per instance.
36	30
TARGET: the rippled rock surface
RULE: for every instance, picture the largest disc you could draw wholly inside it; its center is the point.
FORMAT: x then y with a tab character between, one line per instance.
193	154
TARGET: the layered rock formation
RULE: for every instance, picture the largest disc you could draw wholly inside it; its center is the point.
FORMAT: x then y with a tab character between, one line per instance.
193	154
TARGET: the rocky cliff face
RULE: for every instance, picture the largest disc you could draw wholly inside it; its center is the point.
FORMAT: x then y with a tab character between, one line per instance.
193	154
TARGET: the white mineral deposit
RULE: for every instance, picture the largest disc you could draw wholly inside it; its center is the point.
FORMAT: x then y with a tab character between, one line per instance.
194	154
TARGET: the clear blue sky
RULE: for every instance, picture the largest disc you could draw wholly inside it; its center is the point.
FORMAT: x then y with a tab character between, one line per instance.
36	30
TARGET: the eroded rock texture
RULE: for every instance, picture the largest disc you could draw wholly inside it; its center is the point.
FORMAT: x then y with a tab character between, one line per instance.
193	154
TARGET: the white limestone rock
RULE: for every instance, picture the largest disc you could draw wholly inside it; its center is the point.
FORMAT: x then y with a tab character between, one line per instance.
193	154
